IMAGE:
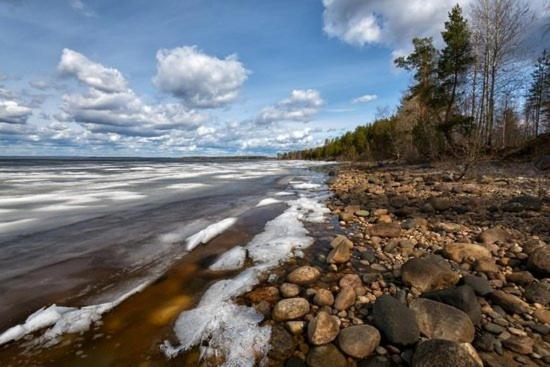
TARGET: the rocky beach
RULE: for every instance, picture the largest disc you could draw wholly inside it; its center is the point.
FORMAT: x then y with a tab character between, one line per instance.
418	267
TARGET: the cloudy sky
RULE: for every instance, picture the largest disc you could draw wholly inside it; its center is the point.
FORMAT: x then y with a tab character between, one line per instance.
199	77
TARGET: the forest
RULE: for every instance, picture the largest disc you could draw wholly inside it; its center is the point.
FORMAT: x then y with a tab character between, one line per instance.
474	96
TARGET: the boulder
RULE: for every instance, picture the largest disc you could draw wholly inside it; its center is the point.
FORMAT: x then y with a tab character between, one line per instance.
290	309
396	322
509	302
459	252
462	297
339	240
481	286
492	235
295	362
359	341
339	255
345	299
445	353
350	280
428	273
523	278
323	297
539	261
269	294
326	356
323	328
439	203
289	290
437	320
282	343
538	292
519	344
385	230
304	275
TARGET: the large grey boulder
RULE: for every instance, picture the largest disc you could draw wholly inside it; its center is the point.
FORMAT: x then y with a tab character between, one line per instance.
445	353
462	297
396	322
428	273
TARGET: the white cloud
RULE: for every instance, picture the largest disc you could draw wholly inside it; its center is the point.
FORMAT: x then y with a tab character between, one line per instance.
301	106
390	22
198	79
91	73
80	7
365	99
12	110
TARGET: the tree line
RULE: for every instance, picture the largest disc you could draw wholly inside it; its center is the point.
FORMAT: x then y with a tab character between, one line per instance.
468	98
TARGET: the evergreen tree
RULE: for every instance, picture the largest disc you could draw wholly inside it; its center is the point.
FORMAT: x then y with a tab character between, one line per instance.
538	97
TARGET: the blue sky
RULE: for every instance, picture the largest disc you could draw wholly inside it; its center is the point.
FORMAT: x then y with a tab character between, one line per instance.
190	77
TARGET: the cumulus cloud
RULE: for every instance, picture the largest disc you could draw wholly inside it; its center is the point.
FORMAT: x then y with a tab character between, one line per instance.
91	73
301	106
11	112
108	106
365	99
197	79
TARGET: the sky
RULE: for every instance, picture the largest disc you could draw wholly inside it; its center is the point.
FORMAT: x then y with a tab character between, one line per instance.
201	77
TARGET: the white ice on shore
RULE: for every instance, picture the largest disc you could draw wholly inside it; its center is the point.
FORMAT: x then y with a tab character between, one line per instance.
224	329
267	201
209	233
230	260
60	320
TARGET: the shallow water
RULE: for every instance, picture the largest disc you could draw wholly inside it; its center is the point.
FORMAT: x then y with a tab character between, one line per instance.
83	232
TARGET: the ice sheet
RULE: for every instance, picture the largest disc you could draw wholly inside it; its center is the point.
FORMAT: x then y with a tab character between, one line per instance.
230	260
268	201
209	233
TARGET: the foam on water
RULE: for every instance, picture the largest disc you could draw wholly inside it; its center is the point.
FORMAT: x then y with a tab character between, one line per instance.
231	332
209	233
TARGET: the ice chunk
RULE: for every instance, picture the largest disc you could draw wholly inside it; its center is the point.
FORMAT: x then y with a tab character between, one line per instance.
230	260
209	233
268	201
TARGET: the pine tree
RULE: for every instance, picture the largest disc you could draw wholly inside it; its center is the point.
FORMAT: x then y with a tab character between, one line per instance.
538	98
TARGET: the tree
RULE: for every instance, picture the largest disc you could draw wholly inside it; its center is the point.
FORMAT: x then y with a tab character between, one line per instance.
538	98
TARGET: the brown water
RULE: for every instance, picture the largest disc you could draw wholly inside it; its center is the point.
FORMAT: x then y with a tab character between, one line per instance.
131	334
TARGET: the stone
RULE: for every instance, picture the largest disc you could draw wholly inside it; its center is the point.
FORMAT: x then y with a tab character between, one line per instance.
539	261
486	266
543	315
290	309
350	280
323	328
519	344
326	356
269	294
523	278
323	297
289	290
345	299
282	343
509	302
339	255
439	203
295	362
359	341
304	275
437	320
493	235
362	213
295	327
396	322
445	353
428	273
462	297
481	286
459	252
538	292
376	361
339	240
526	202
385	230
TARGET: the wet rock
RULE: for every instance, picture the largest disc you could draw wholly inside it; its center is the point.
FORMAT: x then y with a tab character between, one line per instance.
290	309
282	343
440	321
539	261
459	252
481	286
345	299
323	329
350	280
269	294
339	255
492	235
323	297
519	344
462	297
539	293
428	273
326	356
509	302
359	341
445	353
341	239
385	230
289	290
523	278
304	275
396	322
